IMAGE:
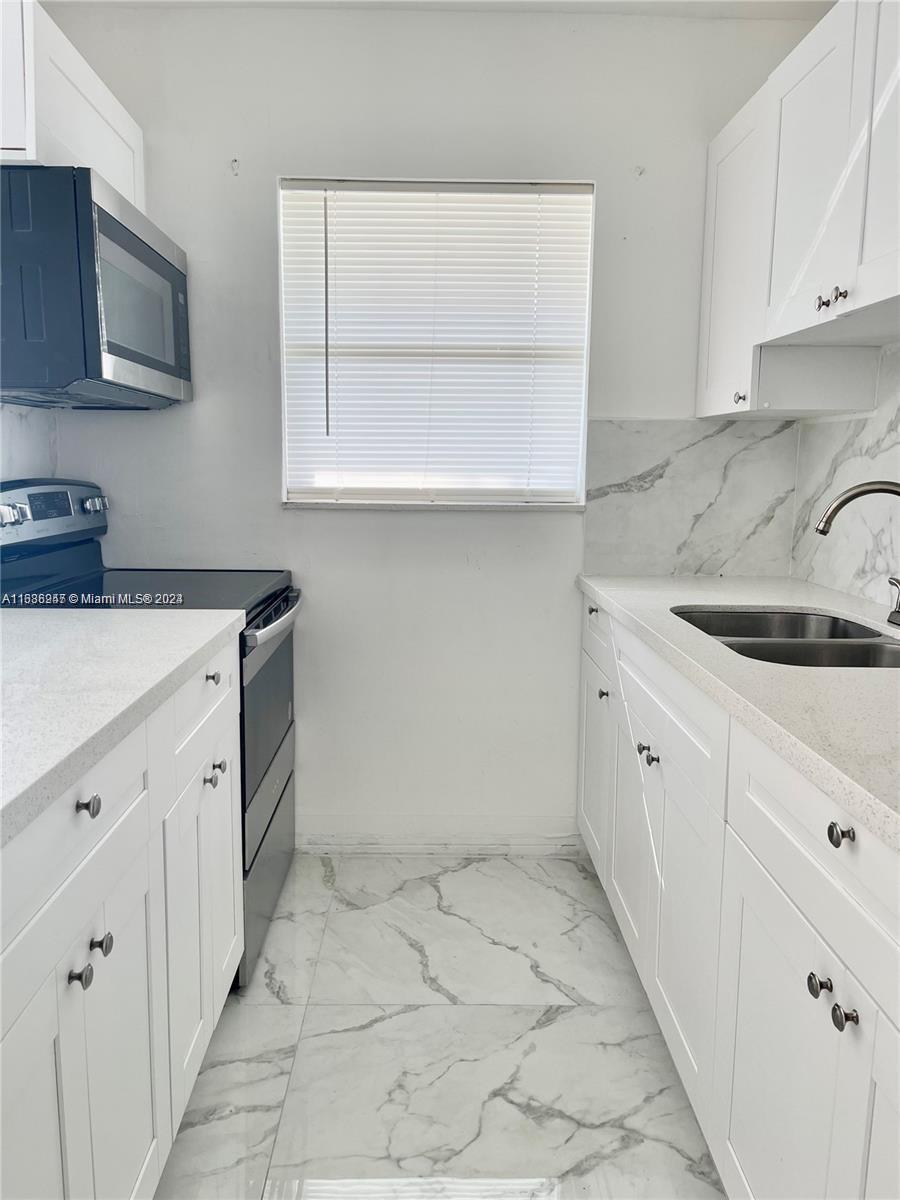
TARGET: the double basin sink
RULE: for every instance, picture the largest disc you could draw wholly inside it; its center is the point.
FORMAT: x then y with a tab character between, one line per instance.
799	639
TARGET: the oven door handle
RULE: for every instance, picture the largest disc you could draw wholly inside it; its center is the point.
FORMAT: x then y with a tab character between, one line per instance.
259	637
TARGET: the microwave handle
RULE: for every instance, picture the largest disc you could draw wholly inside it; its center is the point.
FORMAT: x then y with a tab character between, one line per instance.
259	637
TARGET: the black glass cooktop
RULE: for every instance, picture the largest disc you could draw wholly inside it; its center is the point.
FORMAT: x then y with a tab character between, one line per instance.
147	588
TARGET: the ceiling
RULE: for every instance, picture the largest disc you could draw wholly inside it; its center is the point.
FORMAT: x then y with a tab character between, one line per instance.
803	10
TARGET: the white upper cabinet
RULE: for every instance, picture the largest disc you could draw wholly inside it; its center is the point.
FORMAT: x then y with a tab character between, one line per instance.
878	270
56	109
820	175
740	191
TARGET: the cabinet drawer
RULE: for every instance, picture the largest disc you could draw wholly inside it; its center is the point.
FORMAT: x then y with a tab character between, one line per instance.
685	725
596	636
204	691
867	868
37	861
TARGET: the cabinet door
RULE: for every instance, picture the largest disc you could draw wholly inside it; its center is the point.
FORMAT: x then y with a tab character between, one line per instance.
776	1048
820	174
629	862
222	864
740	200
865	1152
124	1019
878	277
684	928
43	1154
597	763
189	966
17	109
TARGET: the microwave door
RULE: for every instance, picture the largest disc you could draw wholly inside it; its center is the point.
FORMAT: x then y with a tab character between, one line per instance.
143	312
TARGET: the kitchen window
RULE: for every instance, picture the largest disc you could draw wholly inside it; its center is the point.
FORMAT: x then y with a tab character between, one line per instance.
434	341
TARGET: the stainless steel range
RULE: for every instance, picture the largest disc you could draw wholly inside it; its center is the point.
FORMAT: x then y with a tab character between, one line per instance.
50	557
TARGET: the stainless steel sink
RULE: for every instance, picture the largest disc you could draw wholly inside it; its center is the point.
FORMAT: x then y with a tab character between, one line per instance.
761	623
885	653
796	639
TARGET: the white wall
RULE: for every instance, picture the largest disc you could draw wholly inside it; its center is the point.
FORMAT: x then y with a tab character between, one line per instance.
28	446
437	660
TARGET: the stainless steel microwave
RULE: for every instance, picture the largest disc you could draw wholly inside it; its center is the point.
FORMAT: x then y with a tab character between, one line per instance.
93	304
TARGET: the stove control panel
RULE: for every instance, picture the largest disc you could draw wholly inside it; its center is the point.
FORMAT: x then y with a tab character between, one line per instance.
48	511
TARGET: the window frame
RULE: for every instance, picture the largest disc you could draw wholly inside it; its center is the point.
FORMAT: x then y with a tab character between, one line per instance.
421	503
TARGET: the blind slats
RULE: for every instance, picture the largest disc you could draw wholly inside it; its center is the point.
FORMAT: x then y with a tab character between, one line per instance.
435	348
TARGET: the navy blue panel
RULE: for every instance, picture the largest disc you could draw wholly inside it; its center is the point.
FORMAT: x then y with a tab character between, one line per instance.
40	297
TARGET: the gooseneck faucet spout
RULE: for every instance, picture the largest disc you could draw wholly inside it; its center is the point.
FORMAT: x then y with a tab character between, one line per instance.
887	486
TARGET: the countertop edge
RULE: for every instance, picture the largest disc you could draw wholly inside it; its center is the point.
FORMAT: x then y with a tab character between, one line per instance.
19	811
855	799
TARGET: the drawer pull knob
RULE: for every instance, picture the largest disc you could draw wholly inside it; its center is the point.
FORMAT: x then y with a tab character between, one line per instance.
212	780
602	694
85	976
821	303
841	1018
592	609
816	986
836	835
739	397
649	758
838	294
103	944
214	677
221	765
91	807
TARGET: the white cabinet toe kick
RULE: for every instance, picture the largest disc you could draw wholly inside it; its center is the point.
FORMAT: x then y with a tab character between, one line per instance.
764	924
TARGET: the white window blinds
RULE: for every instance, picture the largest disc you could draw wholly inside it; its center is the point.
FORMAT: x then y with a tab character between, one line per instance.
434	341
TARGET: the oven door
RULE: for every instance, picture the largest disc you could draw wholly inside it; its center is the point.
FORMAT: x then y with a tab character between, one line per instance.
267	676
142	300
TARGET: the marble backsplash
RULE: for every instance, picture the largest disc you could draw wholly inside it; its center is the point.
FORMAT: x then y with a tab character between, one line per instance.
690	497
863	547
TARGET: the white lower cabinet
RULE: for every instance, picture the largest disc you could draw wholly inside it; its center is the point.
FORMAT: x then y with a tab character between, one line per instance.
777	1050
110	991
41	1153
629	842
683	927
737	908
597	760
202	838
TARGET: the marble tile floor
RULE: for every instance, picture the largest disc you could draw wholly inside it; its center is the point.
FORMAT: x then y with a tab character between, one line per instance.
424	1028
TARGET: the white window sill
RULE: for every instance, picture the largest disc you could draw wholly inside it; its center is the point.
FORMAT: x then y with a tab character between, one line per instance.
431	506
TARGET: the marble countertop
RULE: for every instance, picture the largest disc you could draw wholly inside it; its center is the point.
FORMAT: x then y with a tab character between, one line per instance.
75	682
839	726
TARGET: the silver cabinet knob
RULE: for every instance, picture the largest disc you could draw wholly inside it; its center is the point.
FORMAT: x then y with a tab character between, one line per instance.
649	757
103	944
816	986
602	693
837	294
841	1018
91	807
214	677
821	303
592	609
221	765
212	780
85	976
836	835
739	397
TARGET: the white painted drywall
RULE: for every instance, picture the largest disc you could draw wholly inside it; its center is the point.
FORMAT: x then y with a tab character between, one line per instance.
437	656
27	442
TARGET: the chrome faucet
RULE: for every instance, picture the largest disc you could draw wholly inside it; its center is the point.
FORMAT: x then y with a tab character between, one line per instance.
886	486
